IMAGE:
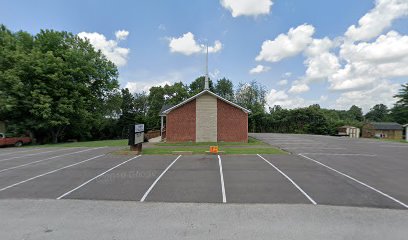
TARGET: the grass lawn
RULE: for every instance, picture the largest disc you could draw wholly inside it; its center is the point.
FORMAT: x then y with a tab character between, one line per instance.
271	150
251	142
254	146
104	143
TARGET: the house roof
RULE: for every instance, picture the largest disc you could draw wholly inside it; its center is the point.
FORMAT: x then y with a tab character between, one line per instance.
347	126
386	125
200	94
164	108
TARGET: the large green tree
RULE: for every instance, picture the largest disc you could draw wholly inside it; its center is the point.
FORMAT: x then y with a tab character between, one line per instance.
400	110
53	81
251	96
166	95
225	89
378	113
356	113
197	85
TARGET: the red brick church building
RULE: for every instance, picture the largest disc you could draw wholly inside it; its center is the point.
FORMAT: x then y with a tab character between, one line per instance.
205	117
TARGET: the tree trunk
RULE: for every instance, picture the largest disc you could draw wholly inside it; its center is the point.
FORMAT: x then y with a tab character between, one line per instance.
54	135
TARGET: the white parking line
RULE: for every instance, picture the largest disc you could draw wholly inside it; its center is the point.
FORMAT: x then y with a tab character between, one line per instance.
28	155
325	148
224	198
358	181
158	178
90	180
342	154
396	146
303	143
53	171
293	182
30	163
14	152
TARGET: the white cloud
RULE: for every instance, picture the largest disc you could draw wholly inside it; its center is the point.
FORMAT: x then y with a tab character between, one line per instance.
143	80
391	47
369	63
299	87
377	20
281	98
287	74
259	69
247	7
187	45
121	34
361	64
383	92
320	62
319	46
323	98
322	66
118	55
286	45
214	74
213	49
139	87
283	82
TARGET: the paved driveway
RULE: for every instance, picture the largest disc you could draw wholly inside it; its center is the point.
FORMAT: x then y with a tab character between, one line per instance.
321	171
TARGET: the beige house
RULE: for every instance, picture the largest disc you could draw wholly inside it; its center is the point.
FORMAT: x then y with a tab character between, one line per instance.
388	130
350	131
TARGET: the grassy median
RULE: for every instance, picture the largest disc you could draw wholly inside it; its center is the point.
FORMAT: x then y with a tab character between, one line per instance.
254	146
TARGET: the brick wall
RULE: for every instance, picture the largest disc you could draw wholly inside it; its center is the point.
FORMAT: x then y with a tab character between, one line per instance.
232	123
181	123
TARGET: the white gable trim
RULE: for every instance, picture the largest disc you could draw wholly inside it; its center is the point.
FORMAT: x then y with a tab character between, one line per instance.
201	93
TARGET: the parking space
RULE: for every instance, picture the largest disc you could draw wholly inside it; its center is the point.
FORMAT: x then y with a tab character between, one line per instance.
327	187
249	179
53	181
127	182
378	166
320	170
31	154
190	179
16	162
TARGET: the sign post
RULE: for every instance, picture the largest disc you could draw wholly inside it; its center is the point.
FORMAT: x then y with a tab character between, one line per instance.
136	137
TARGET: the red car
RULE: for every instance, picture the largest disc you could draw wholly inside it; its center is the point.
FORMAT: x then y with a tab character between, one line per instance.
10	141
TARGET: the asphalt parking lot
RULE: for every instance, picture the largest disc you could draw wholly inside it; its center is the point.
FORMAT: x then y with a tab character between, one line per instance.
320	170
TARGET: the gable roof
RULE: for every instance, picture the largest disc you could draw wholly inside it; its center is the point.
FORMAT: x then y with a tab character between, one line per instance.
200	94
386	125
164	108
347	126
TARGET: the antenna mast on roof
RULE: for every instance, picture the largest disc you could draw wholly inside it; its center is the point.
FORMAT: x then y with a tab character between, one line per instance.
206	83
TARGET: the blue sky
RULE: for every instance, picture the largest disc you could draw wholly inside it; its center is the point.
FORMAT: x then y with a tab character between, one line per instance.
324	58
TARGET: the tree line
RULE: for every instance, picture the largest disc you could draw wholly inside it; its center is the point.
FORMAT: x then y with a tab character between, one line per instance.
312	119
56	87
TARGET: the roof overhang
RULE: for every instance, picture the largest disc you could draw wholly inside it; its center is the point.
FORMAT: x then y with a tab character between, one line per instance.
200	94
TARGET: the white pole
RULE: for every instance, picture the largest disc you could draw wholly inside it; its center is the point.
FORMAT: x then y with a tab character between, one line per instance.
161	127
406	133
206	84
